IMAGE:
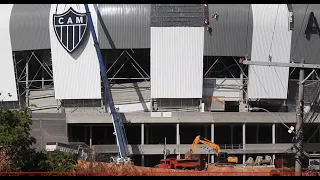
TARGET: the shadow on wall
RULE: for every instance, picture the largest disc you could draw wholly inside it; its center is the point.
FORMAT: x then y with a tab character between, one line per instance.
141	99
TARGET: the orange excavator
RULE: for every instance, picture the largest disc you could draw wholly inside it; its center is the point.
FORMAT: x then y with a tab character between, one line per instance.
223	157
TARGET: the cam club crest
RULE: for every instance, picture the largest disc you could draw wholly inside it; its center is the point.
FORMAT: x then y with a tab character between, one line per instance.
70	28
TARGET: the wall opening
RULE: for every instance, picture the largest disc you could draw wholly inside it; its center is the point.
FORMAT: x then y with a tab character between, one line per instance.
156	133
189	131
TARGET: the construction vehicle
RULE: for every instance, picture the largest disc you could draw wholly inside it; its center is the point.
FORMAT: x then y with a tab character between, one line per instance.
223	157
173	163
122	142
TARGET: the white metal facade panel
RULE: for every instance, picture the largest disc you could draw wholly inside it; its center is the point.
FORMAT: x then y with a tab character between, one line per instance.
76	75
176	62
271	37
7	74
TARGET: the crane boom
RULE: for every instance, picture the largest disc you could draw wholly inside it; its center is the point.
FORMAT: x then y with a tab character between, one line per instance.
205	141
117	123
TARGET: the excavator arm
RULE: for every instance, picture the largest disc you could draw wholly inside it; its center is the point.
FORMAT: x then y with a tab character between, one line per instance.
205	141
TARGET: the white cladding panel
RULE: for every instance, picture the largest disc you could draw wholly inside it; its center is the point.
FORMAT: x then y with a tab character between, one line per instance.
176	62
7	74
271	38
76	75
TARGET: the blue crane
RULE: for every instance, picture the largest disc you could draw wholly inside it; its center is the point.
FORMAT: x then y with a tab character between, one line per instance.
117	122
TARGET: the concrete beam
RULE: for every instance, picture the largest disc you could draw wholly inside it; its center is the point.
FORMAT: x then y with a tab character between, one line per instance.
150	149
187	117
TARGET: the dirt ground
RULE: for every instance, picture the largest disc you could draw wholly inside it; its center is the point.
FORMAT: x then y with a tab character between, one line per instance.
131	170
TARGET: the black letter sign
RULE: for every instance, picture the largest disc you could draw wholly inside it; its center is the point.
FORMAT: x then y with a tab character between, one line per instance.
310	29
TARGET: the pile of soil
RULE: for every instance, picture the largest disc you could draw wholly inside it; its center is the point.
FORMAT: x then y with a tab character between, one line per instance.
100	168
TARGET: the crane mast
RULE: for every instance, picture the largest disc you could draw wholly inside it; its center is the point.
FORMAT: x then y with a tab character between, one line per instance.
116	119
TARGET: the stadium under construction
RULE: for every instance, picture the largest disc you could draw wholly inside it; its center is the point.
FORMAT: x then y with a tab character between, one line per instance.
175	72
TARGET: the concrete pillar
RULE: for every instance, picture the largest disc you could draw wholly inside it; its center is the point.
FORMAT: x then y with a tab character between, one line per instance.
212	140
90	140
273	158
232	128
142	160
243	158
142	134
273	133
244	141
273	140
243	135
257	134
178	139
142	142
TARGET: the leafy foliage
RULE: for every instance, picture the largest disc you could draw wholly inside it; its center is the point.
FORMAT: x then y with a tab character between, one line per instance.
16	145
15	138
58	162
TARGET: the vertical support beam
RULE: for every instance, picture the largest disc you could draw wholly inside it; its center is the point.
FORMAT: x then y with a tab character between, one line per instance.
142	134
142	142
273	133
273	140
212	140
42	74
299	133
90	140
27	82
244	141
257	134
178	139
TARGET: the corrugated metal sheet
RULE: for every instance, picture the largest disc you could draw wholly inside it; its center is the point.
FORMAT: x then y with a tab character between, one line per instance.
301	47
271	41
128	25
177	15
76	75
29	28
231	31
176	62
7	76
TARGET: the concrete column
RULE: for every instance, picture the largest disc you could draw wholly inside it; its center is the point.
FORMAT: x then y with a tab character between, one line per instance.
244	135
178	139
142	160
273	140
142	134
90	140
212	140
243	158
231	127
273	133
257	134
142	142
244	141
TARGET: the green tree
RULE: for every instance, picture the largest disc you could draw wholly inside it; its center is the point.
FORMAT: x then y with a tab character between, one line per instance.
58	162
16	140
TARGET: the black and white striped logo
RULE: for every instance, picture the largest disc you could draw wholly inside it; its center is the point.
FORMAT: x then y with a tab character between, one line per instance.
70	28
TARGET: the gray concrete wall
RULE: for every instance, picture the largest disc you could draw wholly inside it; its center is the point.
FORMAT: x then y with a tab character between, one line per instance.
189	117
